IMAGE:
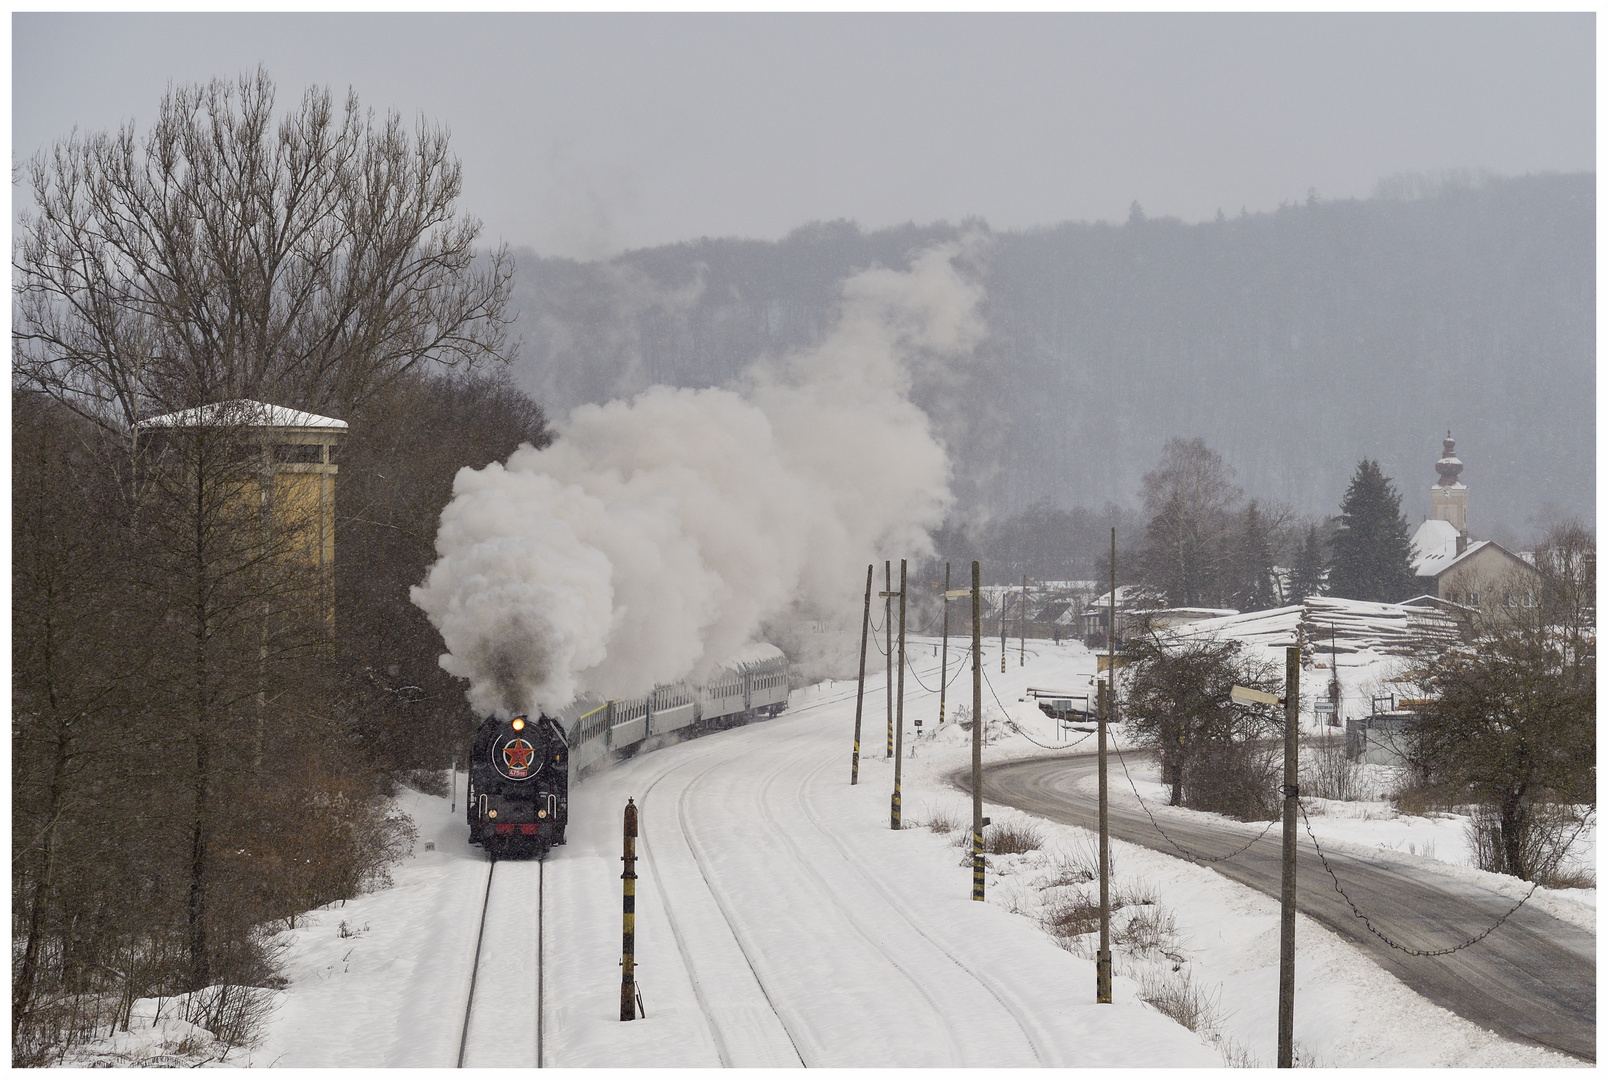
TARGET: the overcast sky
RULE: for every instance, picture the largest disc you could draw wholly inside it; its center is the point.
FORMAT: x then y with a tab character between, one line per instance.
585	134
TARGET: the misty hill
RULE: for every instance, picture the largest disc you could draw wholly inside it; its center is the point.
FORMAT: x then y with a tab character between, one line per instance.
1295	342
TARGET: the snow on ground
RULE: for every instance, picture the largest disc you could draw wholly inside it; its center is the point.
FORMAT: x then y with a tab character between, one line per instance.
781	920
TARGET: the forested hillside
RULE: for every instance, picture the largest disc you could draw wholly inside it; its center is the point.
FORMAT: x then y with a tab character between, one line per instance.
1294	342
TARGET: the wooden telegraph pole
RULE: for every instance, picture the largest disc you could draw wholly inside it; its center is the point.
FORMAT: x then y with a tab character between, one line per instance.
978	821
887	632
943	672
1021	624
898	727
1292	794
859	694
1107	700
1004	602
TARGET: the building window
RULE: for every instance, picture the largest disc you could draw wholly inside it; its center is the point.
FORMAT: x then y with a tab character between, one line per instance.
298	453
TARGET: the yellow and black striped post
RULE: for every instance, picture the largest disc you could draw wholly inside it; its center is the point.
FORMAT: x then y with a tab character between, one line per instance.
977	732
628	940
977	860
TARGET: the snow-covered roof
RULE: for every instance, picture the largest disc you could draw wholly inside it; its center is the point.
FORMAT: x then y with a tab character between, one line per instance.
749	655
245	413
1201	612
1434	547
1439	565
1125	593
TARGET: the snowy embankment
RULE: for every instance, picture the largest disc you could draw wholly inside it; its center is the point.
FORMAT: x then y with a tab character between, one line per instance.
780	920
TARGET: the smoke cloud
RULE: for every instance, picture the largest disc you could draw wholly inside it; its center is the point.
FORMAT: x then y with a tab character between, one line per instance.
658	535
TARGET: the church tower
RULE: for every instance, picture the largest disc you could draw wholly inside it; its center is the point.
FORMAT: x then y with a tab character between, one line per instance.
1448	499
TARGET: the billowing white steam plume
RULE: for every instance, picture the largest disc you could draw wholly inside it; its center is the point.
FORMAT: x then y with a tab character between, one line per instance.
658	535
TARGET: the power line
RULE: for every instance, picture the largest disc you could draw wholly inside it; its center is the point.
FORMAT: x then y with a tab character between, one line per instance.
1017	728
1190	854
1355	910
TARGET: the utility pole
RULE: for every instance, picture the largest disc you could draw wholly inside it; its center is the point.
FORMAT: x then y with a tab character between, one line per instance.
1292	794
1107	707
943	673
1334	677
898	748
977	731
628	939
1021	624
859	694
1111	631
1102	959
1004	602
887	628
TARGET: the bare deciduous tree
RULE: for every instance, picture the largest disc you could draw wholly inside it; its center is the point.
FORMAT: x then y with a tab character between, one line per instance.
1511	717
1178	702
313	260
224	255
1190	498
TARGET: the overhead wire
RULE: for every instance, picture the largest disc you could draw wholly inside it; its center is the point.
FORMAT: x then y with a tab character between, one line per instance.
1017	727
1376	932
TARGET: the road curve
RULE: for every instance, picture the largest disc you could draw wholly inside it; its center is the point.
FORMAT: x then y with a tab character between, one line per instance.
1534	979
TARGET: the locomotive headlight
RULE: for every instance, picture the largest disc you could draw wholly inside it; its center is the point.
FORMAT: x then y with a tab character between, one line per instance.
492	814
519	723
541	813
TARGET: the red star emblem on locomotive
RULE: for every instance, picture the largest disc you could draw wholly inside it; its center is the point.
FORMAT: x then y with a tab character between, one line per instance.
518	754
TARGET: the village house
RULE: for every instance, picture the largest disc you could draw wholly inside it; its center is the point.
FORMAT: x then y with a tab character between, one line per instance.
1480	575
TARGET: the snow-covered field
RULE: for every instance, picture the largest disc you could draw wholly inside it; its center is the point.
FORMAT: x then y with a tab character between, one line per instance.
781	920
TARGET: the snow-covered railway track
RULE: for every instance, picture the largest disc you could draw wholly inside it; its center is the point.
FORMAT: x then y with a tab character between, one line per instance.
745	1024
743	1036
1038	1041
503	1014
831	896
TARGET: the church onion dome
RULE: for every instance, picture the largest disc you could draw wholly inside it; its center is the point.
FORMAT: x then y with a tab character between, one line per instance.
1448	466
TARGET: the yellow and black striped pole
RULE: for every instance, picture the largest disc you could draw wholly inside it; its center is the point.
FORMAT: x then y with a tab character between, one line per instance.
628	941
859	694
977	731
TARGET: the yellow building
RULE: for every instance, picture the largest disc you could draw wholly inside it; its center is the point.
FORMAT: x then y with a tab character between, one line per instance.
288	457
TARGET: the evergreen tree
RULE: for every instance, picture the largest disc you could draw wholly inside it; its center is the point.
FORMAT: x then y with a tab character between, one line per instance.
1306	576
1371	553
1253	586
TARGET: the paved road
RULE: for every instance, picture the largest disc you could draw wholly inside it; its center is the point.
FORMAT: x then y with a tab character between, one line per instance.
1533	979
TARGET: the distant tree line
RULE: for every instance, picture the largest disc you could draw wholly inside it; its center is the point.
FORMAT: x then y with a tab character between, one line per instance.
205	727
1295	342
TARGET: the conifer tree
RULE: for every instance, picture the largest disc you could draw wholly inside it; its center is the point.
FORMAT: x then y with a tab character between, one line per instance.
1306	576
1254	587
1371	553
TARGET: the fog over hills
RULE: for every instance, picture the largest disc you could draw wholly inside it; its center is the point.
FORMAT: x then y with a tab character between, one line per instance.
1294	342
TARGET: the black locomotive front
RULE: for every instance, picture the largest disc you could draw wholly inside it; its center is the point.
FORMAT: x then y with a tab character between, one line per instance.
519	786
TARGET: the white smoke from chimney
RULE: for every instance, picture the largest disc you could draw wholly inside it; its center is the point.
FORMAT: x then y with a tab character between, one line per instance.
658	535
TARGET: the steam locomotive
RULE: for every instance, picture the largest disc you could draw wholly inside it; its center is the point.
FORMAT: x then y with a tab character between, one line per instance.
519	786
520	769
